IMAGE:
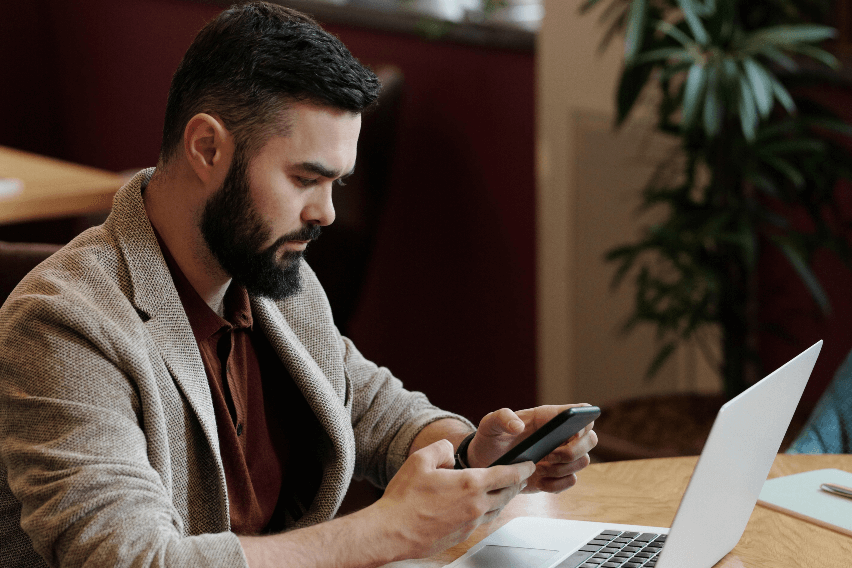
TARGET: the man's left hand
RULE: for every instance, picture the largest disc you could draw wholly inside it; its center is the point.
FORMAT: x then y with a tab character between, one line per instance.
500	430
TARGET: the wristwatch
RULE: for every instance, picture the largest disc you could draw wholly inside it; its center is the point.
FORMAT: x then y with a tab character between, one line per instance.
461	452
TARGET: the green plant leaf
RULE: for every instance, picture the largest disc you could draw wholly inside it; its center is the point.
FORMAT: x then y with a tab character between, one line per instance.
817	54
798	146
693	94
675	33
780	58
784	37
635	29
712	105
630	85
589	4
811	282
831	124
661	54
707	8
783	95
786	169
748	110
694	21
763	183
761	86
660	359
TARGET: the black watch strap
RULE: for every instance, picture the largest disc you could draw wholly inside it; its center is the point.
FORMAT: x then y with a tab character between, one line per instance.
461	452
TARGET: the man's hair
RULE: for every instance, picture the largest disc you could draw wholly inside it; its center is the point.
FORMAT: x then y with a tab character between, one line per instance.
249	63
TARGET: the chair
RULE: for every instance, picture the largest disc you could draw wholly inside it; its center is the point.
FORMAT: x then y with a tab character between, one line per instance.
16	260
829	428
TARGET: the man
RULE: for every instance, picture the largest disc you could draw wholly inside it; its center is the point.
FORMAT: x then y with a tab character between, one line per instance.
173	391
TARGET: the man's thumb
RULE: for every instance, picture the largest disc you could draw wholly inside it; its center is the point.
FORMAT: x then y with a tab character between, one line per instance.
502	421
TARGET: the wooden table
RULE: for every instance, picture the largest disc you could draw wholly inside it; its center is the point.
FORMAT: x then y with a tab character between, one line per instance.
53	188
647	492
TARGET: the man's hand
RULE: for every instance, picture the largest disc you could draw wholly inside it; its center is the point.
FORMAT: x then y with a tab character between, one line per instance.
501	430
428	506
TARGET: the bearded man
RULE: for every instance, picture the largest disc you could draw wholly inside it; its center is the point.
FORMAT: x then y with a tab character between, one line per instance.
173	391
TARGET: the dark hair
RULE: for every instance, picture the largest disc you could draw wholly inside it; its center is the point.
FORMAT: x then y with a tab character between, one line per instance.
249	63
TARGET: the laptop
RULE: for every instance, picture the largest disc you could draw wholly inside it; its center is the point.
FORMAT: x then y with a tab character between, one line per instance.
712	515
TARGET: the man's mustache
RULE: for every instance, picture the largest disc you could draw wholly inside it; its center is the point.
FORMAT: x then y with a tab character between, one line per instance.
306	233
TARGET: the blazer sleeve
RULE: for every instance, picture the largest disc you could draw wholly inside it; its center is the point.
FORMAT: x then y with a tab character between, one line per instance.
385	417
74	449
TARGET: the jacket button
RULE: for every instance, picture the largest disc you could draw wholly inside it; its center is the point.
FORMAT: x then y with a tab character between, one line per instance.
240	429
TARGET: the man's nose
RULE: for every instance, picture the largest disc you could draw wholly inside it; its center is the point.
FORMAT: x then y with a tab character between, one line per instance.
319	209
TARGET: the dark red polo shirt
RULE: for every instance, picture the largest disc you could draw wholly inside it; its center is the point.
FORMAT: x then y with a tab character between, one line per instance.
267	431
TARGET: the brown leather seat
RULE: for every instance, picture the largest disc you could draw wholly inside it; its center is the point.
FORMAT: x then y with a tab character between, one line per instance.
17	259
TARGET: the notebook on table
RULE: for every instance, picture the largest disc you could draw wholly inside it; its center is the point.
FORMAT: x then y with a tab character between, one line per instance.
799	495
712	515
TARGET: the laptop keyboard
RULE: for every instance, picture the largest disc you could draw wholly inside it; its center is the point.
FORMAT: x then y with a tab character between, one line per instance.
616	549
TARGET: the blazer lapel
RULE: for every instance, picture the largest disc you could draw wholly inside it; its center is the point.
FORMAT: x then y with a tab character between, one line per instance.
323	400
154	295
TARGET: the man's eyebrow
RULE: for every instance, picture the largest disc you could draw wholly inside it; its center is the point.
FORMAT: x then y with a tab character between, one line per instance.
321	170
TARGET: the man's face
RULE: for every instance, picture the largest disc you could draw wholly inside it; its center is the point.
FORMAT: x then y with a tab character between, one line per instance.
258	224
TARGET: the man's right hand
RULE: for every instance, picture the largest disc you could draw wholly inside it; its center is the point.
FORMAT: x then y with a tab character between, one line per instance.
429	507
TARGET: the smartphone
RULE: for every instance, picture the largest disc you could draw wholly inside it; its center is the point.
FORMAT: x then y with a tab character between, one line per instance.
550	436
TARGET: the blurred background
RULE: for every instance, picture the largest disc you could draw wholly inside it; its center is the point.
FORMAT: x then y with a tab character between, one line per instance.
469	254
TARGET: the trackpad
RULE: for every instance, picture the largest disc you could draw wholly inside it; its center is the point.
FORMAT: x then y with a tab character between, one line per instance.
507	556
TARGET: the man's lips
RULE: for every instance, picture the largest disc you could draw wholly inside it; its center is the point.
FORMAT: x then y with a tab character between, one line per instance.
295	245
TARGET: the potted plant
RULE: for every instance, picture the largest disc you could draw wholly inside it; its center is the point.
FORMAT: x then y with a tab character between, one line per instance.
733	79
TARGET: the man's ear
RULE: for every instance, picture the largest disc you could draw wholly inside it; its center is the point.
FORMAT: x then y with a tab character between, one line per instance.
208	147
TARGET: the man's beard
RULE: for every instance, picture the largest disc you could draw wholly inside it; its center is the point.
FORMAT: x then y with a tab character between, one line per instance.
235	234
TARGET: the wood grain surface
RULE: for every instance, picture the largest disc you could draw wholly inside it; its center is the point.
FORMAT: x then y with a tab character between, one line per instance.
647	492
53	188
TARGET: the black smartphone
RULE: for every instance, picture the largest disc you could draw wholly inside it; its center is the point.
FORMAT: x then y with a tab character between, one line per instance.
550	436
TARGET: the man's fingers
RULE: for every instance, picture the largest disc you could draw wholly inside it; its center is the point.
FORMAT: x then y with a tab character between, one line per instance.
573	449
556	484
502	476
437	455
503	421
544	469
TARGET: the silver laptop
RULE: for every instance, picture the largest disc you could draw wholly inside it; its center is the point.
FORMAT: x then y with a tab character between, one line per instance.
714	510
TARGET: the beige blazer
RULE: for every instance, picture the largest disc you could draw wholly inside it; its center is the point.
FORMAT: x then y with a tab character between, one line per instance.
108	448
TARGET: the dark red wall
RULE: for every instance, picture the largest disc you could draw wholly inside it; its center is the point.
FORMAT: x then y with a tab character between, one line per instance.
449	301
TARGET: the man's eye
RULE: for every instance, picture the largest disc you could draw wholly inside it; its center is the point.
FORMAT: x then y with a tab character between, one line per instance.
306	182
339	182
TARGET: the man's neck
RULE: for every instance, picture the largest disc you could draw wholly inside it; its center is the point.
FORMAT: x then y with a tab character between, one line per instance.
173	205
